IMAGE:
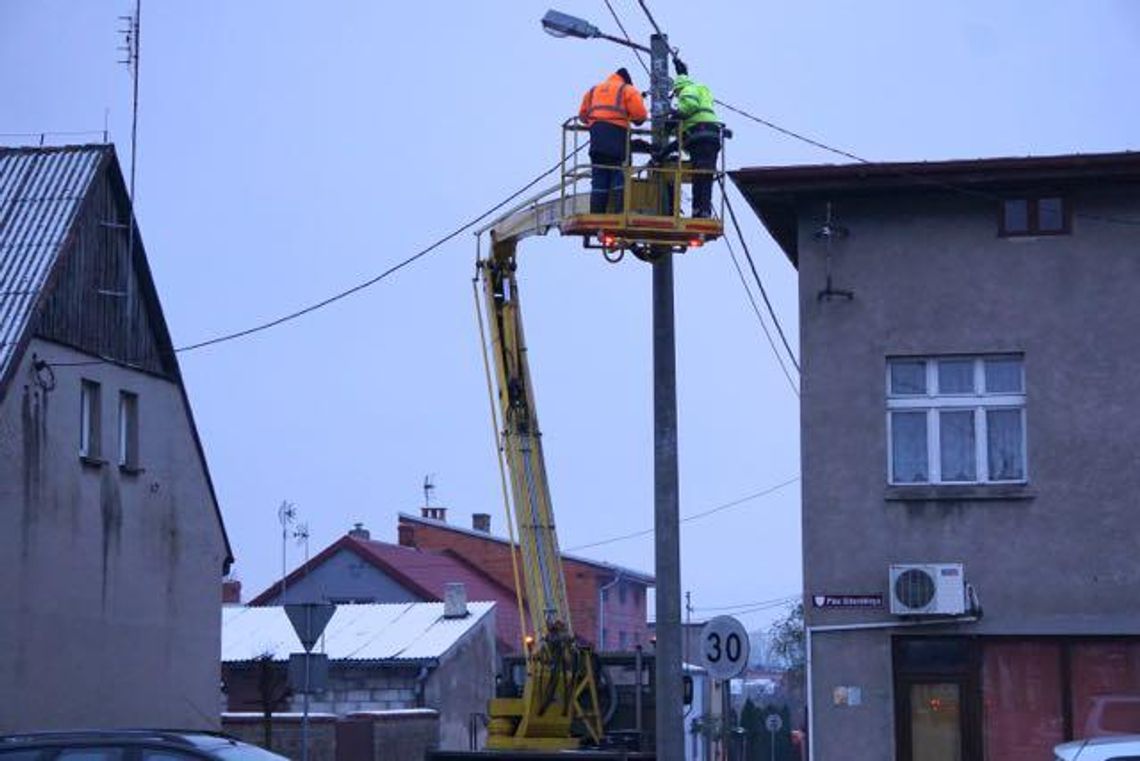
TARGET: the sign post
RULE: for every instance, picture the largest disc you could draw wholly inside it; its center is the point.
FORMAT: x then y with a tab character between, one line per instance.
724	654
773	723
309	621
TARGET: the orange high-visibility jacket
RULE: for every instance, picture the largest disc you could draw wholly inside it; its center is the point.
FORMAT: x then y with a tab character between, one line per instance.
613	101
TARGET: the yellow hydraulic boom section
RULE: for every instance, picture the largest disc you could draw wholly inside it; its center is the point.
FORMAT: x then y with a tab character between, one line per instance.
559	707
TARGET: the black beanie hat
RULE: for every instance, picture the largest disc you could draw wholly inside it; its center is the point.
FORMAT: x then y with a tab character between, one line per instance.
625	75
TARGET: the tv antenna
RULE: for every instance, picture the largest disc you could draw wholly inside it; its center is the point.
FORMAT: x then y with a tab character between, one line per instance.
286	515
429	488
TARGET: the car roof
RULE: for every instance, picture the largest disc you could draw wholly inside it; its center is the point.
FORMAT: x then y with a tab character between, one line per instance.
200	739
1115	744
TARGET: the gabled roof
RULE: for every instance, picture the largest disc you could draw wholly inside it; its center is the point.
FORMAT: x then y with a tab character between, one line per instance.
773	191
422	572
41	192
627	573
394	631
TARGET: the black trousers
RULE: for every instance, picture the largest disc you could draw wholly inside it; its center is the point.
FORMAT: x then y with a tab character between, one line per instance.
703	151
606	179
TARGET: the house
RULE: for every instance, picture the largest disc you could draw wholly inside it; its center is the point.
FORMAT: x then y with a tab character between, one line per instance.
359	569
970	375
382	658
112	546
607	602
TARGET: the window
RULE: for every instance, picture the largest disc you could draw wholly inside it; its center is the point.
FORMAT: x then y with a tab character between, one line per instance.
621	593
623	640
128	430
90	428
956	420
1047	215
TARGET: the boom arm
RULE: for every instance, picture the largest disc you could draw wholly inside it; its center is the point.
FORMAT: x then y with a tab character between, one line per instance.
561	688
522	446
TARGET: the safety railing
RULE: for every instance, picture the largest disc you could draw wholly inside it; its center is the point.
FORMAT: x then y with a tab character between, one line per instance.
652	188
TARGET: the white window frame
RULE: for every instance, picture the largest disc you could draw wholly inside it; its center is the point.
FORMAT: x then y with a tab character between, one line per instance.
933	403
90	418
128	429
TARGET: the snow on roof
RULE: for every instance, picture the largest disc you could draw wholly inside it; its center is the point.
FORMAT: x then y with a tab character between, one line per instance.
390	631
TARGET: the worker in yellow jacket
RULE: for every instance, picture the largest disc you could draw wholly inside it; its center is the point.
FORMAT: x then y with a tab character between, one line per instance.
701	134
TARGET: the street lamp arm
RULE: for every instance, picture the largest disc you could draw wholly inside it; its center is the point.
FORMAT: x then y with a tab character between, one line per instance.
625	42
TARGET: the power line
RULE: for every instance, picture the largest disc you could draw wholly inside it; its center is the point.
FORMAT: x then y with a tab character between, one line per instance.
693	517
755	605
910	175
628	39
649	16
756	275
348	291
759	317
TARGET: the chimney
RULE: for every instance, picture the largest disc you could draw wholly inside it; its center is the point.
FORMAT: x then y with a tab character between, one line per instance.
359	532
481	522
406	534
435	513
231	592
454	601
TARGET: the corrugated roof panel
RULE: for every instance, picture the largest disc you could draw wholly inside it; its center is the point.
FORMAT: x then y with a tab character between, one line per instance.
391	631
40	194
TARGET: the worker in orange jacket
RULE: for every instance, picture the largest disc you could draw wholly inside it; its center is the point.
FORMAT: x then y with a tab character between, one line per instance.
608	109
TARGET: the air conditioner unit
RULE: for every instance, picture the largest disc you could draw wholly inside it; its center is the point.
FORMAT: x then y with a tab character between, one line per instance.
928	589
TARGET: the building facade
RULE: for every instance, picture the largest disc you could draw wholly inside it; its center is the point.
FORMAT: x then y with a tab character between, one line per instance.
357	569
607	602
970	376
381	658
112	546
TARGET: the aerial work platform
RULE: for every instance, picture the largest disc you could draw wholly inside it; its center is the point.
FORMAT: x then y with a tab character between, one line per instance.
639	223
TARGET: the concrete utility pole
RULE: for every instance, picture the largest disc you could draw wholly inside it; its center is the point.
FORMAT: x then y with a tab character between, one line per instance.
669	704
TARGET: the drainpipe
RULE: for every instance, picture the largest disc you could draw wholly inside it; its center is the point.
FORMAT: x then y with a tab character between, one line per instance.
602	609
809	630
421	681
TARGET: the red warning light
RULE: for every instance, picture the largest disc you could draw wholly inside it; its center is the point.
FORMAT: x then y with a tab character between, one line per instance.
696	243
608	240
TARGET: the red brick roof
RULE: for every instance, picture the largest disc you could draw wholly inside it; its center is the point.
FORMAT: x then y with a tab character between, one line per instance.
424	573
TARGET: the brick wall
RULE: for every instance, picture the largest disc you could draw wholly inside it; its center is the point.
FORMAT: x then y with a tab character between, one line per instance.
285	733
583	581
392	735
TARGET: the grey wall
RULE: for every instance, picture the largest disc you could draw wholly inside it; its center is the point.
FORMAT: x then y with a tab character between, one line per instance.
463	683
931	277
111	610
346	576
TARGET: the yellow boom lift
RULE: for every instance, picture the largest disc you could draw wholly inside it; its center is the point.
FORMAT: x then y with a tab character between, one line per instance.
559	706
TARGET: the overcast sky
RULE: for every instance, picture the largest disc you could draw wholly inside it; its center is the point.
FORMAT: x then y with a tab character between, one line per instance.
288	150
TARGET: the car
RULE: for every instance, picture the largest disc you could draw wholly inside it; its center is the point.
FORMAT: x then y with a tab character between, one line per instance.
129	745
1115	748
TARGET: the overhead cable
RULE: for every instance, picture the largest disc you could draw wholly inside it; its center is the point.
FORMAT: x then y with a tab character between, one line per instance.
693	517
348	291
756	274
628	39
760	318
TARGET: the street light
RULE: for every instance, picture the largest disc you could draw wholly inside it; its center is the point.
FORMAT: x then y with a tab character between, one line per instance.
669	724
558	24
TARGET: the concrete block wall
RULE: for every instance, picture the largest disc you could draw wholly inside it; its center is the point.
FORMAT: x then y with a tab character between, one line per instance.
363	688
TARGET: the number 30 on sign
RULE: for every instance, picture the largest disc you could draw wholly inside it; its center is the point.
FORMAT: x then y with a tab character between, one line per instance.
724	647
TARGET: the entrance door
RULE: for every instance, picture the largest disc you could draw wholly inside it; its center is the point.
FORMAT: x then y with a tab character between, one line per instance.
935	716
937	702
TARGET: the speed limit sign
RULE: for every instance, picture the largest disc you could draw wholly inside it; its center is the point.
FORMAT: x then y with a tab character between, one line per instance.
724	647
